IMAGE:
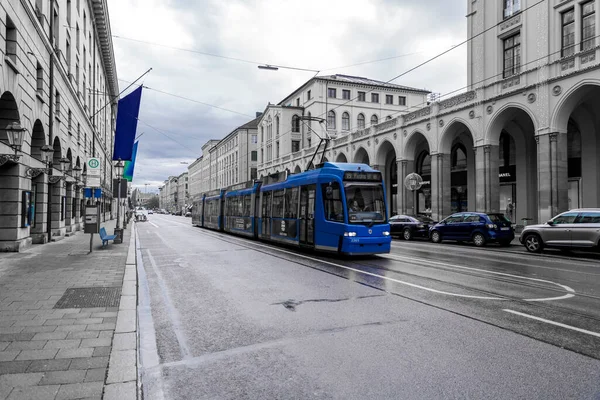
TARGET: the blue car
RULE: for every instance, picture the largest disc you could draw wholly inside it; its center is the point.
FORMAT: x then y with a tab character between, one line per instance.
479	228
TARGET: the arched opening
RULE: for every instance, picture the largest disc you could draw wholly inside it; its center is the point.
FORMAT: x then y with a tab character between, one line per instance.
297	170
57	155
38	140
345	121
374	120
386	161
361	156
458	170
514	132
360	122
9	113
416	158
341	158
579	116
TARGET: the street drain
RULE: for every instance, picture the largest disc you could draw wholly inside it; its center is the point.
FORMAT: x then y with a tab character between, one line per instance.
90	297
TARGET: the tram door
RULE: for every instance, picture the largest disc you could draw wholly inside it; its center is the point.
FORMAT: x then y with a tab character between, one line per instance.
307	214
266	214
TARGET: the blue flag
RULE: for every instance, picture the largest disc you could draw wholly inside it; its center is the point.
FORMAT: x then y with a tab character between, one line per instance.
127	114
130	165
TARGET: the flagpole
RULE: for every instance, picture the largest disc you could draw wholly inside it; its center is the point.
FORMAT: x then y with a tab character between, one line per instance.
121	92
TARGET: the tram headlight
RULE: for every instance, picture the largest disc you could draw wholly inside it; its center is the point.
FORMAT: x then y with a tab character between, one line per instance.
350	234
386	233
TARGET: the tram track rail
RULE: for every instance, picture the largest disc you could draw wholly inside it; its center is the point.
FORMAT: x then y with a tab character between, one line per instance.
287	253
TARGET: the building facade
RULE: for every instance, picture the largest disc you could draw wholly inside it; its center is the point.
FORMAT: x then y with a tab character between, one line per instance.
58	85
523	140
225	162
343	104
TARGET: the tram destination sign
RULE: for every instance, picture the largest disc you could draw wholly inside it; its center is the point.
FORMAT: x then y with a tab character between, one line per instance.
362	176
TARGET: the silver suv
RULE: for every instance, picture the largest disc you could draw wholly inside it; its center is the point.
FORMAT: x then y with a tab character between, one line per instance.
575	229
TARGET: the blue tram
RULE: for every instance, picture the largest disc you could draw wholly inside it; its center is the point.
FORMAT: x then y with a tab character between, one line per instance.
337	207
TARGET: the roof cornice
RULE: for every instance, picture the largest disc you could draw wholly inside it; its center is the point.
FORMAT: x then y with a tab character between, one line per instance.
102	24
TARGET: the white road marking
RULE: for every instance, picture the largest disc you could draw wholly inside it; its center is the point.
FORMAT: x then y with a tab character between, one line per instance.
565	287
553	323
153	224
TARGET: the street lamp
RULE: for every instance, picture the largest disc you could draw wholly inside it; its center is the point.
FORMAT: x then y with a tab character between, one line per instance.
15	134
269	67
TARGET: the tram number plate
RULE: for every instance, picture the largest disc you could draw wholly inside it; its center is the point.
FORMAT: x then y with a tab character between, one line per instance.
355	240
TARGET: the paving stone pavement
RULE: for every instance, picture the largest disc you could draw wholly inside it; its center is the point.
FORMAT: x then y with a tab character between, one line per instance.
48	353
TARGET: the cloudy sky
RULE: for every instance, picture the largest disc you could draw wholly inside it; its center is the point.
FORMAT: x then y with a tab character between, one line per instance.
329	36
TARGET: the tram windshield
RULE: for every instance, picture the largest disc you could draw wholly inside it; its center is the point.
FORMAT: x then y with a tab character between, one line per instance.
365	202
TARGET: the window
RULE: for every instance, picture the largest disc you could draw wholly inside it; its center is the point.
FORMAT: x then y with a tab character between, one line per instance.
295	146
253	173
345	121
291	203
69	121
262	134
361	121
253	155
331	93
389	99
69	13
512	55
77	40
566	218
277	126
11	40
588	25
332	202
56	27
568	33
276	149
511	7
68	55
346	94
57	105
362	96
254	139
277	210
331	120
589	217
298	102
295	124
40	79
308	95
262	155
374	120
374	98
401	100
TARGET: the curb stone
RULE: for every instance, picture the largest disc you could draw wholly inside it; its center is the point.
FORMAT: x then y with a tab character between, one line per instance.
122	377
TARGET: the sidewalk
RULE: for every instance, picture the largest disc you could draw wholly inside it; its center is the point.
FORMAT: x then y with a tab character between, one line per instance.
68	320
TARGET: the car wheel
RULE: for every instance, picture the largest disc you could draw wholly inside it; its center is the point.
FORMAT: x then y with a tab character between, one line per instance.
436	237
479	239
533	243
407	234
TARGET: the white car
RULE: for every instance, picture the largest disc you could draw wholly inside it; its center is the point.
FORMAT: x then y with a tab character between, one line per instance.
141	214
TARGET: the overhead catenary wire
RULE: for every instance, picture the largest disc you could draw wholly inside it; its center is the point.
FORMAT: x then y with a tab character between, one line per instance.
408	71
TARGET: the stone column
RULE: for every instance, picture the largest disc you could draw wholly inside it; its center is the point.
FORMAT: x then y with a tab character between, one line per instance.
69	217
13	181
58	225
552	172
402	198
440	186
39	232
487	181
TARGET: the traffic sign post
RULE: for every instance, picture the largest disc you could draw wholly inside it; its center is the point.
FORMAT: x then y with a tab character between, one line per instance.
92	215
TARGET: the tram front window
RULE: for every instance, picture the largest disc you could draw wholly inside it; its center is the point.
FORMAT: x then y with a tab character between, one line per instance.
365	203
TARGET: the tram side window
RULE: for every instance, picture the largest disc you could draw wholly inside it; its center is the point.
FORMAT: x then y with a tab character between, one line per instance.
291	203
266	202
278	204
332	202
247	205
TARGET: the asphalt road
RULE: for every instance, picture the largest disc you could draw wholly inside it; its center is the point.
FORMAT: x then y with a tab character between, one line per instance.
223	317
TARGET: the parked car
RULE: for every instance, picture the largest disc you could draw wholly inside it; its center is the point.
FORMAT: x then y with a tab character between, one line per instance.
150	212
141	214
476	227
410	226
574	229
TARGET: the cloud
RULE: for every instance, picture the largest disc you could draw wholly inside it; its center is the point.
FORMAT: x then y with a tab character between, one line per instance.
312	34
